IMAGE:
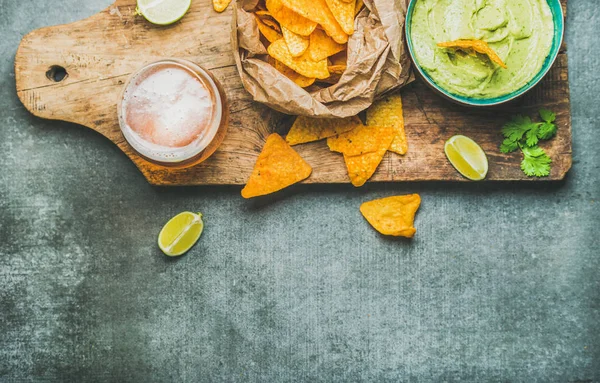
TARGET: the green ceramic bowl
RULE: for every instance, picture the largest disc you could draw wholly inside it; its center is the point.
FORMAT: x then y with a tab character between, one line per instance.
559	29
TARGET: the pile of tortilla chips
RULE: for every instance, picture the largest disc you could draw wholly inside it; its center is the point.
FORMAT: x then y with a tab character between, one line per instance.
307	39
363	147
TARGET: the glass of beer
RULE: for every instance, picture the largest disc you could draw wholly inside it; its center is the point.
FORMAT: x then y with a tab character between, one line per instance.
173	113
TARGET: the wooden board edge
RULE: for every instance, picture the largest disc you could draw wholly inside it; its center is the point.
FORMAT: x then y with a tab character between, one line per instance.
567	163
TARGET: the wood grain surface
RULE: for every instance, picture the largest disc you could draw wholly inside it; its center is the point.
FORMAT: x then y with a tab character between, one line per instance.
101	52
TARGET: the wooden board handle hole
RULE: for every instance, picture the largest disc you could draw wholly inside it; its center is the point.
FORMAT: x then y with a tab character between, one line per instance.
57	73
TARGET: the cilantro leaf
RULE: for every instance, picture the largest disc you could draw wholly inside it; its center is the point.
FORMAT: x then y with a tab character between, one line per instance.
516	128
535	162
509	146
547	115
532	136
546	131
535	151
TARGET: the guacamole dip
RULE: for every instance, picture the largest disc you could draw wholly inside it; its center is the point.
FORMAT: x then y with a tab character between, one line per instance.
519	31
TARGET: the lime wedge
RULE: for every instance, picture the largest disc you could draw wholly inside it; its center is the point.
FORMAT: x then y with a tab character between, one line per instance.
180	233
163	12
467	157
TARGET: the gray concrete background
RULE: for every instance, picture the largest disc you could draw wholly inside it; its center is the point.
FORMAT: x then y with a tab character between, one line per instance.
501	283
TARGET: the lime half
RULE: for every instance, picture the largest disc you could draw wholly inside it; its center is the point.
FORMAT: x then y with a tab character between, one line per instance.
180	233
163	12
467	157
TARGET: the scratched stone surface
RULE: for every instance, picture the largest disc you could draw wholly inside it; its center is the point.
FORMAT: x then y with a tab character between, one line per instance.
501	283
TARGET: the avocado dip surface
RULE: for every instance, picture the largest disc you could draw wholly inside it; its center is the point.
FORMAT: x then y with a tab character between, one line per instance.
519	31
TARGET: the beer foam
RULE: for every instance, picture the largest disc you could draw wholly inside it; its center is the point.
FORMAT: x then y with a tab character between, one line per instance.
168	107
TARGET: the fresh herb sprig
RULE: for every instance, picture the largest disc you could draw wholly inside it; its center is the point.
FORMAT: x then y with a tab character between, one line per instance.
522	133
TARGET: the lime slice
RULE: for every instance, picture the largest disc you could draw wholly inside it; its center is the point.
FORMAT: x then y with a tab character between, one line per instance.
163	12
467	157
180	233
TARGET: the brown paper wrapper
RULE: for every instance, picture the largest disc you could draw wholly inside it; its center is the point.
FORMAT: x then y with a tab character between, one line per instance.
377	63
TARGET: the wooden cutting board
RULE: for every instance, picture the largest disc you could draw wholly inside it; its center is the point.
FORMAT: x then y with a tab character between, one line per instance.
101	52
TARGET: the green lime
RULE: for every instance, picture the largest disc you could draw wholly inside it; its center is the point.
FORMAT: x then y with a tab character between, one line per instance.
180	233
467	157
163	12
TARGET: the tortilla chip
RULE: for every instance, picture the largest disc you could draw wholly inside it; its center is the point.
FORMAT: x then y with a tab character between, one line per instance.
359	6
306	129
289	73
336	69
323	46
263	13
300	25
362	139
343	13
478	46
270	34
393	216
388	112
303	64
318	11
362	167
277	167
296	44
220	5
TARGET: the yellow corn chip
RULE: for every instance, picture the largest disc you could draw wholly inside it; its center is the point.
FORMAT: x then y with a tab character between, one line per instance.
277	167
289	73
362	167
263	13
300	25
303	64
268	32
323	46
479	46
359	7
393	215
336	69
388	112
296	44
220	5
343	13
306	129
317	11
362	139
